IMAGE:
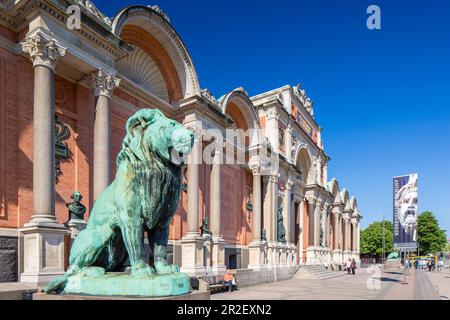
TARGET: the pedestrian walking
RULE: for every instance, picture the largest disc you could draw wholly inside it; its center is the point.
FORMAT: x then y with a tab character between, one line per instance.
348	266
416	264
430	266
353	266
440	265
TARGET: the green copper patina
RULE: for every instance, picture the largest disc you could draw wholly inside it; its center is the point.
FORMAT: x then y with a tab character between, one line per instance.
281	230
393	256
143	197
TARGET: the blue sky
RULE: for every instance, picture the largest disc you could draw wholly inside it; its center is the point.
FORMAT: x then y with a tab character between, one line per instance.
381	96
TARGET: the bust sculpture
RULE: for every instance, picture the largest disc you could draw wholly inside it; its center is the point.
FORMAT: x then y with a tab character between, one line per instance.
204	228
76	208
143	197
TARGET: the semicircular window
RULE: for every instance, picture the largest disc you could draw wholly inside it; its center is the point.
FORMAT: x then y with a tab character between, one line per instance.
143	71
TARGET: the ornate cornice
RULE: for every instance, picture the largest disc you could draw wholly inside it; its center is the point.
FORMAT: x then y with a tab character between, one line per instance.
91	8
103	83
209	96
304	99
43	50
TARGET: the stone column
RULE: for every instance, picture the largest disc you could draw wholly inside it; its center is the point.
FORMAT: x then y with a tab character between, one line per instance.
273	247
317	226
103	85
354	229
218	244
43	237
311	211
336	230
257	246
337	259
192	243
288	210
347	252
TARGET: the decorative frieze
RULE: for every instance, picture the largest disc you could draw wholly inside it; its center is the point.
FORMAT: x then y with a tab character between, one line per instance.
90	7
209	96
304	99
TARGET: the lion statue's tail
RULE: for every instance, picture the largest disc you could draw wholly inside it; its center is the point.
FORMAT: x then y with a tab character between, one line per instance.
58	284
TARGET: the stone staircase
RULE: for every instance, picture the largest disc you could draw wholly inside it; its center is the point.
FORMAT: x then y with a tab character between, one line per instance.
317	272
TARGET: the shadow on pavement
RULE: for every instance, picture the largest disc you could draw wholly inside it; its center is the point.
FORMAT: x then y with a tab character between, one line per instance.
389	280
393	272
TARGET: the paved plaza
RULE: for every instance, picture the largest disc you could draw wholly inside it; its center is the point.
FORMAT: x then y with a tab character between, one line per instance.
348	287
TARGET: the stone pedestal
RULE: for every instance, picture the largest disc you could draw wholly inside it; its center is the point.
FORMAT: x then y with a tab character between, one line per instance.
337	258
75	227
347	254
207	252
43	253
311	256
192	259
257	252
218	256
120	284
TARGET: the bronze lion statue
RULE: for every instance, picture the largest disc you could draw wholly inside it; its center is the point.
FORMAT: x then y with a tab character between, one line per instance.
143	197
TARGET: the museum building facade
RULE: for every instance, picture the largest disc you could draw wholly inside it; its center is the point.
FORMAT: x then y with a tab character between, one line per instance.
65	96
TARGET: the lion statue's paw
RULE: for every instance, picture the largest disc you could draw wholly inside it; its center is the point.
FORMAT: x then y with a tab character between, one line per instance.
142	270
162	268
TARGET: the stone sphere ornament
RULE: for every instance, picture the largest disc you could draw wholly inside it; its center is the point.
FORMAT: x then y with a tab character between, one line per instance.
142	198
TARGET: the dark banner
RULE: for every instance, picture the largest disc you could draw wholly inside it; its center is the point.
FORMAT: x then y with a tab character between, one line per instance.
405	212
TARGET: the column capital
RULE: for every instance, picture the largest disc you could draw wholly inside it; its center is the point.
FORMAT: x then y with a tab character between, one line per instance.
196	128
103	83
311	200
256	169
274	177
289	183
43	50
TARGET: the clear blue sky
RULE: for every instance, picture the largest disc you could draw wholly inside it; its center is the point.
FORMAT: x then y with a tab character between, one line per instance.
382	96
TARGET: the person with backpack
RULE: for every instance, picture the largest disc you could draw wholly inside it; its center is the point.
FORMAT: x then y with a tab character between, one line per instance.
353	266
348	266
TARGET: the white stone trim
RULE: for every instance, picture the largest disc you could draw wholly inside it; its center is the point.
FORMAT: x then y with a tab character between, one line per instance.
12	233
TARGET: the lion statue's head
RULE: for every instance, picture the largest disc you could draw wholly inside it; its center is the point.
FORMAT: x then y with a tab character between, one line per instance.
150	134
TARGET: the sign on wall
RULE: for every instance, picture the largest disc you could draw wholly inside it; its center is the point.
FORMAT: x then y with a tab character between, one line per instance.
405	212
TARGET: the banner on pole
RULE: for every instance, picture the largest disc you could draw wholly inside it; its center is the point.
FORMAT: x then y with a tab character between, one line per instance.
405	212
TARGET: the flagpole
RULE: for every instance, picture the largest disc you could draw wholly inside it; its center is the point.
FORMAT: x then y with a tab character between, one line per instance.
383	258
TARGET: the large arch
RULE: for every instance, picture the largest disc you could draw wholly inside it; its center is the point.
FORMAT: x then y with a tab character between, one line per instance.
333	188
353	204
345	198
304	163
148	29
239	107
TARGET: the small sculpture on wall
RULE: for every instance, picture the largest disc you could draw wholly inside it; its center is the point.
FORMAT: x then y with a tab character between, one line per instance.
204	228
280	226
263	235
62	150
76	209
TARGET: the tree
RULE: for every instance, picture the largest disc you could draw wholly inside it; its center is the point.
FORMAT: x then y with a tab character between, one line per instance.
432	238
372	239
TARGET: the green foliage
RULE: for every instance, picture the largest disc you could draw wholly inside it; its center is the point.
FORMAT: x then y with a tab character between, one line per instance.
432	238
372	238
